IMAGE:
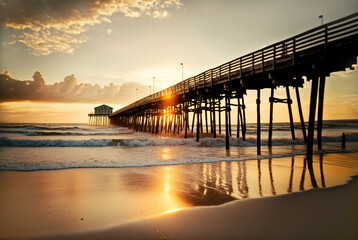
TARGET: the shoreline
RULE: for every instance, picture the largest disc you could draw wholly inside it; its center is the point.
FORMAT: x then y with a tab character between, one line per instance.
72	201
330	213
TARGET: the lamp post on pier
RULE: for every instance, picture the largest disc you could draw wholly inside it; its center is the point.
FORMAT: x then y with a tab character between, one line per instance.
153	84
182	71
321	17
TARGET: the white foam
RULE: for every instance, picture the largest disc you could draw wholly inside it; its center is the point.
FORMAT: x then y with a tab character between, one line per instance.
4	141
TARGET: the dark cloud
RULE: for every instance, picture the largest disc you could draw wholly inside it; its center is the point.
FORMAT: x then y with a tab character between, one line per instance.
70	90
47	26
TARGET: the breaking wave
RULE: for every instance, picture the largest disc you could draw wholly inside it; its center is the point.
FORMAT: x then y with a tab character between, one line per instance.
204	142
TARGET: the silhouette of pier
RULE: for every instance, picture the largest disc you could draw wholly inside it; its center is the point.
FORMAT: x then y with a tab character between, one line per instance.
310	56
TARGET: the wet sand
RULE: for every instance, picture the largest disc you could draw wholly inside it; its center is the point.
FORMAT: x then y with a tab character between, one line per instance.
163	201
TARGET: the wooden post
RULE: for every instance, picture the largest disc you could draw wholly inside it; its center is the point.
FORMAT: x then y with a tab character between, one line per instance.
165	122
153	125
175	124
206	116
192	125
214	120
271	117
198	122
211	115
219	107
322	82
301	115
242	120
289	102
244	117
144	119
201	119
343	141
186	120
227	143
229	103
258	101
238	117
313	104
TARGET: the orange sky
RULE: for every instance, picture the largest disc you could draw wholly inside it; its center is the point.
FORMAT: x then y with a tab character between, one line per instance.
65	57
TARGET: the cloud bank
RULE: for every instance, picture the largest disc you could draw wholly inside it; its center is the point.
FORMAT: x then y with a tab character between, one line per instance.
47	26
67	91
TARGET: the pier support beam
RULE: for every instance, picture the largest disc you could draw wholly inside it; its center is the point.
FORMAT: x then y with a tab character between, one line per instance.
186	120
214	120
322	83
198	119
301	115
313	104
227	112
271	117
258	101
289	102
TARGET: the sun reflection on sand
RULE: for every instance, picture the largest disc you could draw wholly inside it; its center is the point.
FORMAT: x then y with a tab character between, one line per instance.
174	210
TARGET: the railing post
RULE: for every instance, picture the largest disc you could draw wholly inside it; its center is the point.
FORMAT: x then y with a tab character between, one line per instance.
294	51
240	67
262	60
212	77
274	57
325	40
253	64
228	79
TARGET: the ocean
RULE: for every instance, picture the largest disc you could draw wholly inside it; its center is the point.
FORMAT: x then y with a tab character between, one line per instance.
30	147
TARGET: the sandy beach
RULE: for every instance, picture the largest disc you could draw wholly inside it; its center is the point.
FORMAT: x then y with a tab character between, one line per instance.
189	201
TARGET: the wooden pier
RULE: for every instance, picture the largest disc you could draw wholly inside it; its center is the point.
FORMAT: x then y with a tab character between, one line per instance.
311	55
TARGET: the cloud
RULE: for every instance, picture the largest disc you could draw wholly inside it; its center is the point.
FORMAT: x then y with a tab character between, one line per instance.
47	26
70	90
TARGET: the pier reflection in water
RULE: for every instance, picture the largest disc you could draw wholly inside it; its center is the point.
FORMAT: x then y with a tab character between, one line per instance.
217	183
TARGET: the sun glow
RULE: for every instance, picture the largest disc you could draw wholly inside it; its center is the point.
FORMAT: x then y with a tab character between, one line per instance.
173	210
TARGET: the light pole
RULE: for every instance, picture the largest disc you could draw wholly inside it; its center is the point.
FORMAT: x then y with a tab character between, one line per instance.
182	71
153	84
137	93
150	90
321	17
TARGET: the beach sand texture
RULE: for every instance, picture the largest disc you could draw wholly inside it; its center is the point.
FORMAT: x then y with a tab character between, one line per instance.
162	201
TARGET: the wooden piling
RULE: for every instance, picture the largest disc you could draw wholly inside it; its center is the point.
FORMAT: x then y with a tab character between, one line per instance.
219	107
258	101
186	120
271	99
289	102
206	116
313	104
227	112
303	128
343	140
238	118
214	120
322	83
244	119
198	123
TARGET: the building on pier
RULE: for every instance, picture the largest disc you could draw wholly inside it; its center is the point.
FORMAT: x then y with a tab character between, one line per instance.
100	115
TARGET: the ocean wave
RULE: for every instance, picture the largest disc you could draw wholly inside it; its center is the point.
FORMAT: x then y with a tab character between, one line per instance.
204	142
4	141
61	133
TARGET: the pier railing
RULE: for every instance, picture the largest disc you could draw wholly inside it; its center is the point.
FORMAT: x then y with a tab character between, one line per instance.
285	53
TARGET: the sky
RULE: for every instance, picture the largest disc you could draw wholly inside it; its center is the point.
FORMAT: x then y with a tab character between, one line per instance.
60	58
